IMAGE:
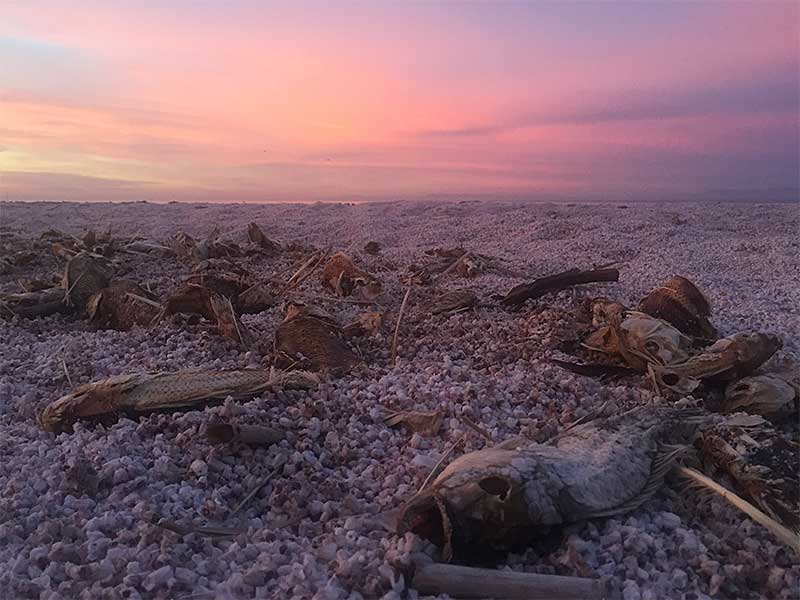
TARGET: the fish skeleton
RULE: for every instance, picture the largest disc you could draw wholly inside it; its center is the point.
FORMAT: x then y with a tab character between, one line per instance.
140	393
499	498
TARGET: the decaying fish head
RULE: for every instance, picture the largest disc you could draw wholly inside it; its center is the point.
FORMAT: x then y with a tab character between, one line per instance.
727	359
501	498
342	277
653	340
639	339
86	401
766	395
478	501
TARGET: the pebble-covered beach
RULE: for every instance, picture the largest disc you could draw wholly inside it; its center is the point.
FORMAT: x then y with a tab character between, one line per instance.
78	510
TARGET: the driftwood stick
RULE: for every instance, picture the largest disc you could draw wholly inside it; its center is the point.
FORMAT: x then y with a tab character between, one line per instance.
557	282
43	309
471	582
399	320
253	435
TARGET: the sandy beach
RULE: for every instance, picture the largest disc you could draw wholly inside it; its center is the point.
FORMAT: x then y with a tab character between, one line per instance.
317	529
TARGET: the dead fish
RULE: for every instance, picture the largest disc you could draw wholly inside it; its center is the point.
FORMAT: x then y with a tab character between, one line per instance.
500	498
727	359
639	339
121	306
368	323
767	395
192	298
682	304
140	393
342	277
424	423
761	463
85	274
453	301
257	236
311	338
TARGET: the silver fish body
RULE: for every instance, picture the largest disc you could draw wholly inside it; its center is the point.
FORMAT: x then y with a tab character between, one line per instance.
499	498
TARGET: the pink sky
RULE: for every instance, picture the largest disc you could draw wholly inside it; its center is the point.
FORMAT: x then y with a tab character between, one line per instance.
319	101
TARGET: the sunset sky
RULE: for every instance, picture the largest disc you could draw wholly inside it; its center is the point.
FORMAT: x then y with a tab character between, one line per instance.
267	101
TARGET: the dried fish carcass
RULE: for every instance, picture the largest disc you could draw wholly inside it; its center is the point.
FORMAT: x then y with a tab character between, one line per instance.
761	463
770	396
191	298
142	393
342	277
682	304
85	274
501	498
639	339
121	306
311	339
453	302
727	359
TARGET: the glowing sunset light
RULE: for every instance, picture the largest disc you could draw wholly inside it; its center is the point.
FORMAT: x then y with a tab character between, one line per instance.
253	101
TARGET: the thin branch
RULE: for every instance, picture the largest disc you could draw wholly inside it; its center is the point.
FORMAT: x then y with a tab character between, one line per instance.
435	469
399	320
254	491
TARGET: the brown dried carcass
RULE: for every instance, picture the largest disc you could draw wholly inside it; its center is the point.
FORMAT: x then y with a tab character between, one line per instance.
121	306
727	359
311	339
191	298
762	464
143	393
453	302
424	423
257	236
85	275
638	339
368	323
682	304
500	498
770	396
342	277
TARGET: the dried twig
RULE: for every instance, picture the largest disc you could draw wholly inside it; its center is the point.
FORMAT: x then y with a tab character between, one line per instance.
778	530
333	299
300	276
139	298
399	320
66	371
254	491
472	582
475	427
436	467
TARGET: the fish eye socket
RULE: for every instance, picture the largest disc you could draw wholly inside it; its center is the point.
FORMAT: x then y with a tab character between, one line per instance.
670	379
651	346
497	486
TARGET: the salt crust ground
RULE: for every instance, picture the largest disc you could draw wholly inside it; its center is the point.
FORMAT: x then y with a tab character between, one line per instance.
341	461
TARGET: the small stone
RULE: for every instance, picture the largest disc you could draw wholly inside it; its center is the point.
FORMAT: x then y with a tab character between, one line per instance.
199	468
679	579
631	591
